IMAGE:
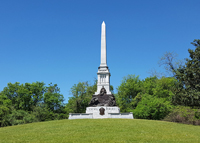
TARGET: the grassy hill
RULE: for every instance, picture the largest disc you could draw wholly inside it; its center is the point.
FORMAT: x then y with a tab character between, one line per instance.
100	131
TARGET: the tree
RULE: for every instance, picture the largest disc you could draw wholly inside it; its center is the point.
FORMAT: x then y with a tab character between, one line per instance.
30	102
188	89
170	62
5	109
24	96
149	84
37	89
131	91
82	94
127	91
52	97
164	88
152	108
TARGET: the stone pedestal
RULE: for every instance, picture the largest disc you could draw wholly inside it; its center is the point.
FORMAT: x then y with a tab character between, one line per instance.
101	112
103	76
105	111
80	116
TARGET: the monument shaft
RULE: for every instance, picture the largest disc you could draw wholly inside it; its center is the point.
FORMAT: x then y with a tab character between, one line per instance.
103	45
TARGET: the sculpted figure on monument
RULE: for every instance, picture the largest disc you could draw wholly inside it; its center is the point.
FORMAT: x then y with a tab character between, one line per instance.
103	91
111	101
103	100
94	101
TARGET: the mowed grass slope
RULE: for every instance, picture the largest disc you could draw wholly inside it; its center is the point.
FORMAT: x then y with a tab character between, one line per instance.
100	131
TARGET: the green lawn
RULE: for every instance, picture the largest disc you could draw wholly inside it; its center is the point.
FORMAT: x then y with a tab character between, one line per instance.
100	131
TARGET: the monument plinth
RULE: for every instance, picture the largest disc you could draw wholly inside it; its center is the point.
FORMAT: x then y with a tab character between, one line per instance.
102	104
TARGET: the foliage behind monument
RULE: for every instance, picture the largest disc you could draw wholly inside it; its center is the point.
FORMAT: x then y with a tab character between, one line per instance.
135	95
30	102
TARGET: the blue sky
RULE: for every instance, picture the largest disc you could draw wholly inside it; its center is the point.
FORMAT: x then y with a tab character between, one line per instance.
59	41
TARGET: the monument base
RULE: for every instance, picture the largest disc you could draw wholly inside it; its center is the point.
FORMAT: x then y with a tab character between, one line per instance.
101	112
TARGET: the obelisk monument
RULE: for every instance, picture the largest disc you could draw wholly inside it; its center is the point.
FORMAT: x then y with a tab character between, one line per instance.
103	45
102	104
103	74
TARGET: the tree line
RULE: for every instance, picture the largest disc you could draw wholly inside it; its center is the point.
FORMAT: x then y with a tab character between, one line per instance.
30	102
175	98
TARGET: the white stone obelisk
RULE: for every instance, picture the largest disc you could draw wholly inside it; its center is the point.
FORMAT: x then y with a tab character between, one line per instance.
103	45
103	74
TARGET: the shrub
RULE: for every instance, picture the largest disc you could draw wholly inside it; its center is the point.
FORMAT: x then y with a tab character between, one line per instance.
29	118
63	116
185	115
41	112
152	108
197	114
5	109
20	117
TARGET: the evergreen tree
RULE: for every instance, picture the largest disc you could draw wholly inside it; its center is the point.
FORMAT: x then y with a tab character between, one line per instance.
188	89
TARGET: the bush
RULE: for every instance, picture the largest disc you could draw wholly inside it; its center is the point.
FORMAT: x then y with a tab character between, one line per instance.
20	117
185	115
197	114
4	111
152	108
29	118
41	112
62	116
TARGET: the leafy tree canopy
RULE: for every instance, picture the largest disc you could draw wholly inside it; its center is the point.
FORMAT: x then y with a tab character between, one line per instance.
132	89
